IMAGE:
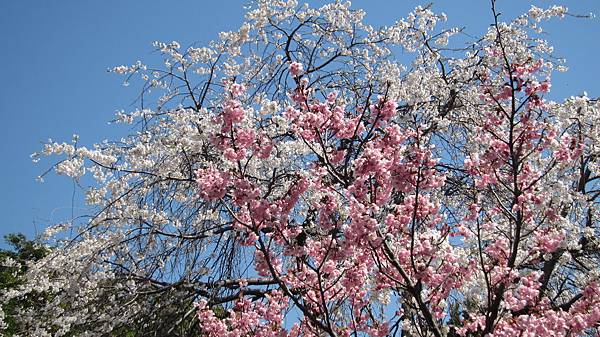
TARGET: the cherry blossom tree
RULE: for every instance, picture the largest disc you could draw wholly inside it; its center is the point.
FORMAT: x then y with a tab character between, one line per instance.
294	178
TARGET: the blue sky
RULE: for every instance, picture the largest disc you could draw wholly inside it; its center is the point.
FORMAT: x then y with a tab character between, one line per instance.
55	84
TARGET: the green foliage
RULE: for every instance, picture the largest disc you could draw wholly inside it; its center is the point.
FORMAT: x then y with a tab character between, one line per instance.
13	265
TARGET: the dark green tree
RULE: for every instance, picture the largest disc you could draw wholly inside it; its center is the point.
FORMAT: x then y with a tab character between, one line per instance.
13	265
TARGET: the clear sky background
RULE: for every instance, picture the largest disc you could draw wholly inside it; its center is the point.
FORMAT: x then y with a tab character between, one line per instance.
54	81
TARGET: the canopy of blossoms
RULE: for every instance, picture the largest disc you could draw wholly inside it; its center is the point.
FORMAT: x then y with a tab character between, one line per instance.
295	179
